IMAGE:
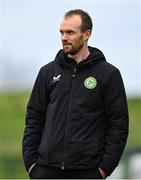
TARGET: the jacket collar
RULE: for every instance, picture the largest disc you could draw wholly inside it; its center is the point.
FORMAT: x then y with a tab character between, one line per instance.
95	56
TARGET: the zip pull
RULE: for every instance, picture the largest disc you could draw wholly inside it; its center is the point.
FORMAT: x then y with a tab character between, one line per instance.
74	72
63	166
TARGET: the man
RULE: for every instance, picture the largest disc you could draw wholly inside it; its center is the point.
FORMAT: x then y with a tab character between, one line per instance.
77	117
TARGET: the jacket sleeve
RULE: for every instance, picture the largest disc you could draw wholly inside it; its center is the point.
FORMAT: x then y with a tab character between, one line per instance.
35	118
116	112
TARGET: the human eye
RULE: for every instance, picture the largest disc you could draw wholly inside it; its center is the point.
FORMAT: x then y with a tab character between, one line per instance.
70	32
61	32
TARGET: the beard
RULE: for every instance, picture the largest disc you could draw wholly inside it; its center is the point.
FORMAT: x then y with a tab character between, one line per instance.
72	49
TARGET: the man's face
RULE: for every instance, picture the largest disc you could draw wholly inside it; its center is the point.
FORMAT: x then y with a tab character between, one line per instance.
71	36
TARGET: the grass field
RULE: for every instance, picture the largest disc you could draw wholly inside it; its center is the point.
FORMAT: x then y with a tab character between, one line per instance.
12	119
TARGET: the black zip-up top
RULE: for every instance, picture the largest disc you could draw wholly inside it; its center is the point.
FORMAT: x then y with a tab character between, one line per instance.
77	115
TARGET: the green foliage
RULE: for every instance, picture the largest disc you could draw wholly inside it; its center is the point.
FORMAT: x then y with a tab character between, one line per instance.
12	123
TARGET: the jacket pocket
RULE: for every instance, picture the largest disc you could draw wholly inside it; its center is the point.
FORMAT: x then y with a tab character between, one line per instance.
32	170
37	172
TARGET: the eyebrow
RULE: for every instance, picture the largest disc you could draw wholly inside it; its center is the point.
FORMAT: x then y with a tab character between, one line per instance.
67	31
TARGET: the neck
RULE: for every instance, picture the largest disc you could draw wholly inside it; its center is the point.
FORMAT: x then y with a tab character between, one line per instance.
81	55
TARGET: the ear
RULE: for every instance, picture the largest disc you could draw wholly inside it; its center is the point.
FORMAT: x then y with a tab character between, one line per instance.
87	34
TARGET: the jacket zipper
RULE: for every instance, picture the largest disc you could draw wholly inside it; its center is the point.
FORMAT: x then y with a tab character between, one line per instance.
73	75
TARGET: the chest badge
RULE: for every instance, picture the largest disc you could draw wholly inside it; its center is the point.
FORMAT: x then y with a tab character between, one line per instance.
56	78
90	82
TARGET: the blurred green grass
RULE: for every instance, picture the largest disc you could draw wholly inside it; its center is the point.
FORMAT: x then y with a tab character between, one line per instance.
12	123
134	106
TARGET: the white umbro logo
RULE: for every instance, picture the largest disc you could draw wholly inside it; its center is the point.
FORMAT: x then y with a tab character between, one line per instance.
56	78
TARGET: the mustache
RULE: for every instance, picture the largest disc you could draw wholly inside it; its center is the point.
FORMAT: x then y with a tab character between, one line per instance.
65	43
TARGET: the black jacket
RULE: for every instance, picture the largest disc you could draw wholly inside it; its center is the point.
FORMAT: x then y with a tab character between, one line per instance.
77	116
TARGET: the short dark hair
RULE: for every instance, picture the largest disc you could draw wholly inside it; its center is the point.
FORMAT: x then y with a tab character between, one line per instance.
86	19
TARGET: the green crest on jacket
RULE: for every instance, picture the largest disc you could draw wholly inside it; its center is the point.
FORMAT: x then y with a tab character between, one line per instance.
90	83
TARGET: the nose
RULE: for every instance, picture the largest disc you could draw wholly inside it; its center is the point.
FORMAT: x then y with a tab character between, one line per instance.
64	37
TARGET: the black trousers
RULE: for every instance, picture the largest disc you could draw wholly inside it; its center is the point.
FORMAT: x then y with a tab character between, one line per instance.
42	172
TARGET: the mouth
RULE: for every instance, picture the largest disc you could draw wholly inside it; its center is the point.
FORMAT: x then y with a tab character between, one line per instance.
66	44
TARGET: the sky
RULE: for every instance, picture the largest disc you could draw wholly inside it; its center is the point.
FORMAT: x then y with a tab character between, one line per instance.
30	38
